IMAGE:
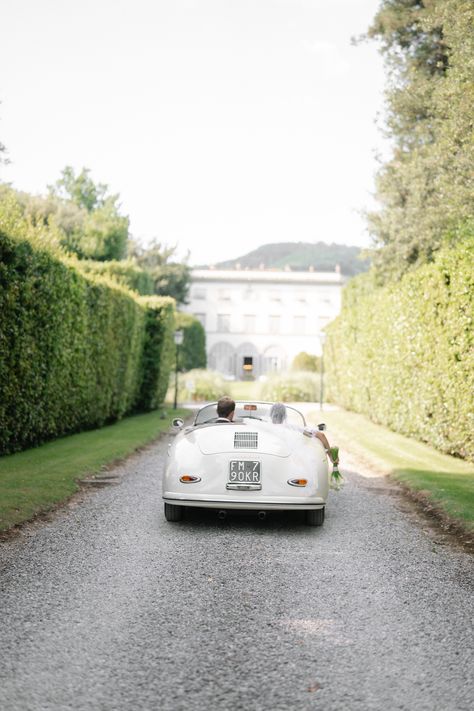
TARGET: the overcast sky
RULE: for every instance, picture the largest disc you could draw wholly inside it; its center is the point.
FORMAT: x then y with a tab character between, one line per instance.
223	124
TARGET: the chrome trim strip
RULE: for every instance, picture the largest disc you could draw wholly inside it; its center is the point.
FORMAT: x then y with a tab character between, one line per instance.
245	504
244	487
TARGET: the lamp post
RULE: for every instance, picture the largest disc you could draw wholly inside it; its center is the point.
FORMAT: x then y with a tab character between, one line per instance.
322	338
178	339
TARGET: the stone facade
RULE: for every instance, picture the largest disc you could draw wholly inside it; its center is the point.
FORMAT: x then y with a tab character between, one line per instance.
261	319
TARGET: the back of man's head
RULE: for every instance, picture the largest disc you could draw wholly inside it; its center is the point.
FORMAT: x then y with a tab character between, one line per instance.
225	406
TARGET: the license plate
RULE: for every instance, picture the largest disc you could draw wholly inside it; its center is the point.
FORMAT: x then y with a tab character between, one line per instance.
244	472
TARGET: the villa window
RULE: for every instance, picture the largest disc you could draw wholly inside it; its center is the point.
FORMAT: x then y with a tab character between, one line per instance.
249	323
299	325
223	323
274	324
199	293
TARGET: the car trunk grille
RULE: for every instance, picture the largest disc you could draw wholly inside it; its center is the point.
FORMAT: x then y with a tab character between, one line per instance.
245	440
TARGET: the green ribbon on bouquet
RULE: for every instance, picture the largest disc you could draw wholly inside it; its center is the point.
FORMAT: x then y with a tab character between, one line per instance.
337	479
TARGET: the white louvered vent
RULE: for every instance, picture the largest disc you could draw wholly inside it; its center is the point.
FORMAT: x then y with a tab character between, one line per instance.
245	440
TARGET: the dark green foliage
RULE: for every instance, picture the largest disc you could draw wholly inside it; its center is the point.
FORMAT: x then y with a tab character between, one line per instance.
301	256
307	362
73	353
158	351
126	272
192	352
403	354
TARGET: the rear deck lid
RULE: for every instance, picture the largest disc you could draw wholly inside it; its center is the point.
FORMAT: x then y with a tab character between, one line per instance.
255	438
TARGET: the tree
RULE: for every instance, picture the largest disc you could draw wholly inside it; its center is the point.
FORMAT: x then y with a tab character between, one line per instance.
426	188
81	189
170	278
89	217
307	362
192	352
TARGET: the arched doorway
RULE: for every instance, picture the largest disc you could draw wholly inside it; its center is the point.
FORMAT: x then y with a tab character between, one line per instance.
248	362
222	358
273	360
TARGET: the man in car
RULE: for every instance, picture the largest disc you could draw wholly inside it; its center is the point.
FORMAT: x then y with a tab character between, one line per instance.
225	409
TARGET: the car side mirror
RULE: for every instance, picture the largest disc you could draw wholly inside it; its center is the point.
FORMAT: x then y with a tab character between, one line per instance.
321	427
177	422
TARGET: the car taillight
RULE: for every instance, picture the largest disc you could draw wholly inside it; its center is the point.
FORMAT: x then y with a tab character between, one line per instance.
189	479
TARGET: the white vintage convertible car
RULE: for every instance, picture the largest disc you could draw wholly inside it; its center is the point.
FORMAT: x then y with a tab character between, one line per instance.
249	463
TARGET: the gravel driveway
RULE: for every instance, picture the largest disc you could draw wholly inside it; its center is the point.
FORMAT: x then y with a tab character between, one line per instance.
108	607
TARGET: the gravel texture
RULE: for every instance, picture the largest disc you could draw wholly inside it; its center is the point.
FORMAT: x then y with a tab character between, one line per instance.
109	607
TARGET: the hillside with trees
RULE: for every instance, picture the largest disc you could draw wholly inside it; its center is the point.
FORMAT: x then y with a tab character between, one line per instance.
301	256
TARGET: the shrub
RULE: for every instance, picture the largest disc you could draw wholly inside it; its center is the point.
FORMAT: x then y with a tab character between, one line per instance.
192	352
403	354
200	385
291	387
306	362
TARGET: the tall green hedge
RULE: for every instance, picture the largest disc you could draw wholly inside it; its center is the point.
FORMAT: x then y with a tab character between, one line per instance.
158	350
403	354
74	351
192	352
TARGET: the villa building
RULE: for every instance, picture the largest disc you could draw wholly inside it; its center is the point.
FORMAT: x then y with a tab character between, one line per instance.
256	321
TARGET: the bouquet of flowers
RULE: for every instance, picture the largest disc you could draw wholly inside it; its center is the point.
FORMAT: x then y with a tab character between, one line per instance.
337	479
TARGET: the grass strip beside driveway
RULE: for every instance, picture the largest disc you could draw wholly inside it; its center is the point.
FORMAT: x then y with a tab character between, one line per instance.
447	482
36	480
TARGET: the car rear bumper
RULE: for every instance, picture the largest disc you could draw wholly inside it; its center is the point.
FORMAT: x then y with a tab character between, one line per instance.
276	503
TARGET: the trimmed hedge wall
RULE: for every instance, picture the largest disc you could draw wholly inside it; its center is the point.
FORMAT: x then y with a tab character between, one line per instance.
74	351
403	354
